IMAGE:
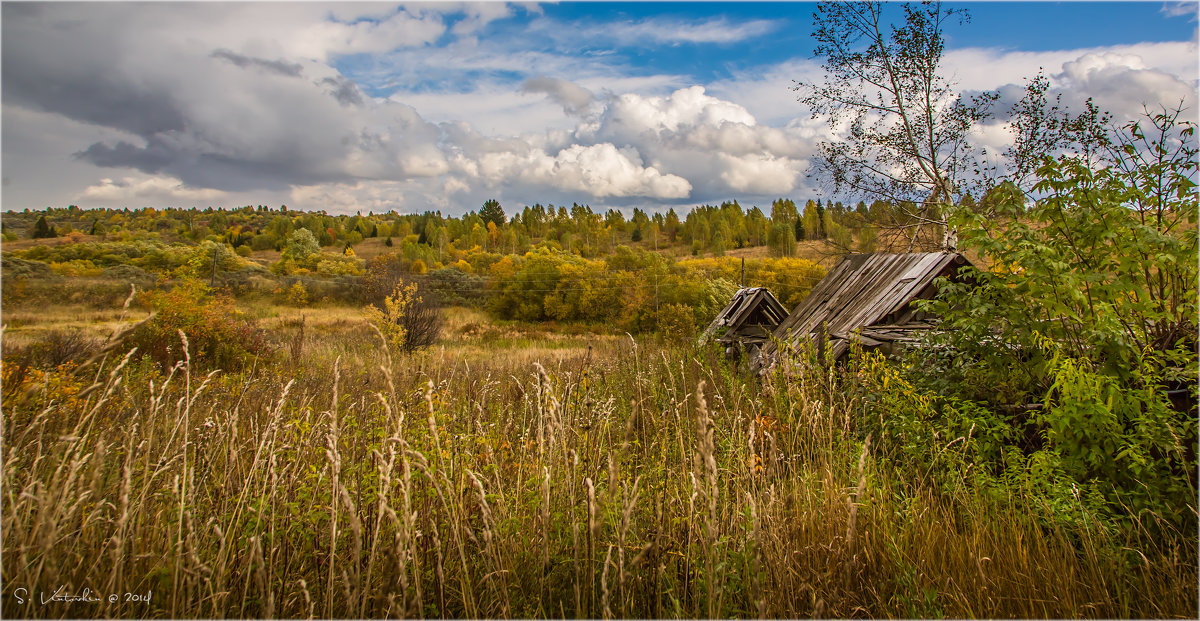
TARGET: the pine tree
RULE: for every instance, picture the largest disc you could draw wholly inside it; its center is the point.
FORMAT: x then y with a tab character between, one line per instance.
492	212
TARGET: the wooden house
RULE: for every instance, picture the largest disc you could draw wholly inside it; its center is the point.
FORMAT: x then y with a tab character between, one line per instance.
866	298
746	323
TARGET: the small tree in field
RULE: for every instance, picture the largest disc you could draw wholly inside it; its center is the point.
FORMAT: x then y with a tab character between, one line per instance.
407	320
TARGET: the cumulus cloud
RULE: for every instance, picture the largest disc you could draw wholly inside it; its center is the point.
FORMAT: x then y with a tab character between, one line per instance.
760	174
224	111
600	170
1123	84
343	90
633	114
1120	79
715	144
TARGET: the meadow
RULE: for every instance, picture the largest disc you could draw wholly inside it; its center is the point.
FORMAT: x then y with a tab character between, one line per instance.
520	469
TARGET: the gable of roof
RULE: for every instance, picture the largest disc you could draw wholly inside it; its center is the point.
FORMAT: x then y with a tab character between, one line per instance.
867	290
752	313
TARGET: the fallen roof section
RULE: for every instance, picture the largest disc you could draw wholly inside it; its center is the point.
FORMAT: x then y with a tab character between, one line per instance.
868	298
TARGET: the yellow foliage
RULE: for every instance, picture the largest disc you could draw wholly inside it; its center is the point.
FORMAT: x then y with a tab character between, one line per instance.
790	279
297	295
390	320
504	268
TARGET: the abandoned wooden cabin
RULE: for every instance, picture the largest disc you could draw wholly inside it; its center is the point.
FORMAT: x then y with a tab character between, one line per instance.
746	323
866	298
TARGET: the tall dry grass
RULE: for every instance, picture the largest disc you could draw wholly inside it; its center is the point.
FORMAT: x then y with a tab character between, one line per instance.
633	481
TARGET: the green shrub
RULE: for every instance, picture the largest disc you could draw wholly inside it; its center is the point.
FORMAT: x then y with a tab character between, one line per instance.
17	267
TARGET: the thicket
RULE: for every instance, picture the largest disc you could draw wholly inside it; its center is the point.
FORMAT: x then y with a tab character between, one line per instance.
192	321
1073	360
636	290
147	255
408	319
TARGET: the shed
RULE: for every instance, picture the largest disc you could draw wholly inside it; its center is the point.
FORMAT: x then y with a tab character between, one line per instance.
867	298
748	320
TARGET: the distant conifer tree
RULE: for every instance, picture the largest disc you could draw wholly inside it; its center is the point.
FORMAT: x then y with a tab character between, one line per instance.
43	230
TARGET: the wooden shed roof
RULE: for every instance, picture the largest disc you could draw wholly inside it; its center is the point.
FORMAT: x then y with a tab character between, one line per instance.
871	293
750	308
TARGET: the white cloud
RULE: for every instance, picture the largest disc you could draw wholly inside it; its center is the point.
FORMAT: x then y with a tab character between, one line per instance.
151	191
1180	9
1123	84
759	173
599	170
478	15
364	196
630	114
1119	78
401	29
766	92
660	30
715	144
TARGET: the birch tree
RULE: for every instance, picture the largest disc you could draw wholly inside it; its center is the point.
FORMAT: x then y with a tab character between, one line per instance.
904	129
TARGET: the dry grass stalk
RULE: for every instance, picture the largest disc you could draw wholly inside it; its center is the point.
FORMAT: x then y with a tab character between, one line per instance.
856	500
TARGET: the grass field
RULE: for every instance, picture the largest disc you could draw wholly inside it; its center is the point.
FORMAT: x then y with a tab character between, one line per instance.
512	470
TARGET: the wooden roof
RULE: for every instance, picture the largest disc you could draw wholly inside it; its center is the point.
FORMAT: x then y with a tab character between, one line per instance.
870	293
752	314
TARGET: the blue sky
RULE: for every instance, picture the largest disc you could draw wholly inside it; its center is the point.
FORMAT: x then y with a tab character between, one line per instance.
779	31
370	107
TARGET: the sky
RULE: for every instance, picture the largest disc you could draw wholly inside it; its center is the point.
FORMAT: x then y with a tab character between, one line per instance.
371	107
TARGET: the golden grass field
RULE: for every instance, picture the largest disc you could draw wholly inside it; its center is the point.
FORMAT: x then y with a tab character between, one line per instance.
511	470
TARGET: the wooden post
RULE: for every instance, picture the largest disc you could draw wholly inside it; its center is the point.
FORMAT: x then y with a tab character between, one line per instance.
743	272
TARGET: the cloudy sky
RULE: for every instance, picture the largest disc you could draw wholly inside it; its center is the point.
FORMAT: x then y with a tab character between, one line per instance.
371	107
